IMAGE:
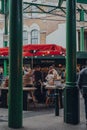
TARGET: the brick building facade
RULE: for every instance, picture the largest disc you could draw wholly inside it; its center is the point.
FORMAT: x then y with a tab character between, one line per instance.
39	27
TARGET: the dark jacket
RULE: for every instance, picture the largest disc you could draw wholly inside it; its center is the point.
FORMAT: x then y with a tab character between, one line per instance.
82	81
37	76
82	78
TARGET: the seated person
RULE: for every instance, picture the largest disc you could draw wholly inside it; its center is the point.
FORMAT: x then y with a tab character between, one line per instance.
28	82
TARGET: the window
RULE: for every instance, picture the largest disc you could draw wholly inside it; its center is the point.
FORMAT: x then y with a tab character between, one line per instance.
85	40
85	16
34	36
25	37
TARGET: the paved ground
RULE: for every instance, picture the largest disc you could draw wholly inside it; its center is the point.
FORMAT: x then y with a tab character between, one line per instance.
44	119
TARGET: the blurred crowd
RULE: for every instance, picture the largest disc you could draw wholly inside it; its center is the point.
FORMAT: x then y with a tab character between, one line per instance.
38	77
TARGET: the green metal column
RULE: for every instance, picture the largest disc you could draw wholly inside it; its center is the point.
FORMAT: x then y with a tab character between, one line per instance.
82	39
82	48
82	15
5	33
6	23
71	93
5	67
15	77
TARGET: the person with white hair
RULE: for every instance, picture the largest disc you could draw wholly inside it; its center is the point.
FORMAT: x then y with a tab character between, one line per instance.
55	73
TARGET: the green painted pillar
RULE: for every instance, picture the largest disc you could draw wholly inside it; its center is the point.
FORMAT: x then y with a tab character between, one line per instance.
5	67
15	77
82	48
82	15
6	23
2	6
71	93
5	33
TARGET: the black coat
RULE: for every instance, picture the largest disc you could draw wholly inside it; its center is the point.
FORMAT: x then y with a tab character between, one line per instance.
82	82
38	76
82	78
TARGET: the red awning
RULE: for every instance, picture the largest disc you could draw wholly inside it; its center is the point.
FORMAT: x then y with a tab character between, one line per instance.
37	50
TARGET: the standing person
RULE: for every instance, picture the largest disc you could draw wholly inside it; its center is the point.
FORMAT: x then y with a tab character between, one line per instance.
55	73
50	78
63	74
37	74
28	79
50	82
82	82
1	75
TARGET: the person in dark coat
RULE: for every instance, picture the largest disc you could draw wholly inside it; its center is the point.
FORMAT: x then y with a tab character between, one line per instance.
37	83
1	75
82	83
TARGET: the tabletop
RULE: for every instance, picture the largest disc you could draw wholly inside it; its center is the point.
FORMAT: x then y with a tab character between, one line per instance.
24	88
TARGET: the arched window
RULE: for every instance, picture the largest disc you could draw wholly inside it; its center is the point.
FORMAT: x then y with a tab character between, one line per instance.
34	36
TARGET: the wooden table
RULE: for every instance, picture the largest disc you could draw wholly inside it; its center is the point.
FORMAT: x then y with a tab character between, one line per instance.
26	91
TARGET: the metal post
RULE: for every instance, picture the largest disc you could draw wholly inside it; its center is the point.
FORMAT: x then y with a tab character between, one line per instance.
15	77
6	24
71	93
56	102
82	31
32	61
32	58
5	33
82	15
5	67
82	39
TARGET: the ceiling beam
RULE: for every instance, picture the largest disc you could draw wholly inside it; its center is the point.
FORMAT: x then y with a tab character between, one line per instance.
60	3
82	1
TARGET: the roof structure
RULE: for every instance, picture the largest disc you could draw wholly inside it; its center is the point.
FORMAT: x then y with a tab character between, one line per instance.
52	8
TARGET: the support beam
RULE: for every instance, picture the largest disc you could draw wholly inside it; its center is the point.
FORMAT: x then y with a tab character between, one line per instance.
15	77
82	1
5	33
5	67
60	3
82	48
2	6
81	15
71	93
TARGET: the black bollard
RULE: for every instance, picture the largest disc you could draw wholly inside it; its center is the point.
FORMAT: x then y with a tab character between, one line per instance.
56	102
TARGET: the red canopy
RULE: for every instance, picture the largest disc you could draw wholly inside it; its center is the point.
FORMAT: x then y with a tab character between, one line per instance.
43	49
37	50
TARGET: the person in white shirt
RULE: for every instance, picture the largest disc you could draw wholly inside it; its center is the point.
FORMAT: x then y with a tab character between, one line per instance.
50	82
56	75
50	77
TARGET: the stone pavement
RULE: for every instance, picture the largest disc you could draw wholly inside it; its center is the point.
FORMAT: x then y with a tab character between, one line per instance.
44	119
